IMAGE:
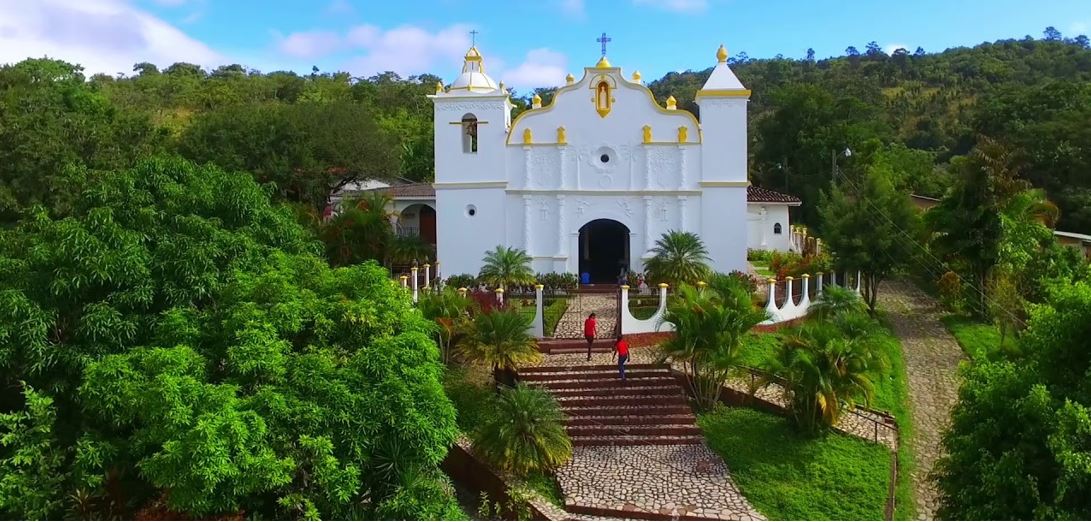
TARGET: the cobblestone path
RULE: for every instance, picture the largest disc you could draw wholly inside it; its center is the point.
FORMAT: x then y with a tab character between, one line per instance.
932	357
579	306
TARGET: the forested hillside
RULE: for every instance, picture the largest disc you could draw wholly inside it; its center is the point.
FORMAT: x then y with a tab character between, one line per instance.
1033	96
307	133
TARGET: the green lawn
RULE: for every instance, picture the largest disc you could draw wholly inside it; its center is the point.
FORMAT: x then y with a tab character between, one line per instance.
763	271
891	395
976	338
789	477
553	310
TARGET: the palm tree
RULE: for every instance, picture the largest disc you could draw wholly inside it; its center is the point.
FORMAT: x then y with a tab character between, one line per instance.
679	257
709	326
836	301
506	266
824	372
450	311
361	231
499	338
525	434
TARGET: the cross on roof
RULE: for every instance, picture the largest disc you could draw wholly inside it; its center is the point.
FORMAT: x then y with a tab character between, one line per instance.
473	36
603	40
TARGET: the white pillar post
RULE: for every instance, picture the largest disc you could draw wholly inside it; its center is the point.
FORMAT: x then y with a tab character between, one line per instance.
788	311
818	291
414	271
500	297
771	306
805	301
857	282
462	291
662	297
833	277
405	281
623	312
539	312
427	276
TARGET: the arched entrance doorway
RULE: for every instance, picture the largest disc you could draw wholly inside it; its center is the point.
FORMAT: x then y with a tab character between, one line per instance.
604	250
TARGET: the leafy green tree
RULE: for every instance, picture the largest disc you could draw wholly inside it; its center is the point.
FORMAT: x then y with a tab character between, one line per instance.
450	310
506	266
1017	445
525	433
677	258
836	301
826	370
181	343
501	340
360	231
870	227
710	324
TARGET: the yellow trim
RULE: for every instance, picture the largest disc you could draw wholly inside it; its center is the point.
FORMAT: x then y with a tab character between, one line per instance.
724	183
683	134
562	138
721	54
672	104
528	136
569	80
629	84
647	134
636	76
724	93
470	185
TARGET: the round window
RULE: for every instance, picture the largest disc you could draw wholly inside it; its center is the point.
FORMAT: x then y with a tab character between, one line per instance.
605	158
471	210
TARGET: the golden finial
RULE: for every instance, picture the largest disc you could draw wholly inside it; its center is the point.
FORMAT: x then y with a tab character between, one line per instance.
672	103
636	76
569	80
683	134
721	54
647	133
536	101
528	137
439	87
603	63
562	138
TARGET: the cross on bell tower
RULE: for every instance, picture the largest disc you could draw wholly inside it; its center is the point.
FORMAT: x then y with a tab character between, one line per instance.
603	40
473	38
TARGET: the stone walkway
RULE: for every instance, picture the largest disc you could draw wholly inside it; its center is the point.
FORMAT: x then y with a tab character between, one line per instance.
579	306
932	356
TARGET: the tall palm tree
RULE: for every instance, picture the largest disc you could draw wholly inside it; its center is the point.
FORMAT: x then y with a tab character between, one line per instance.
525	433
825	372
678	257
500	339
506	266
709	326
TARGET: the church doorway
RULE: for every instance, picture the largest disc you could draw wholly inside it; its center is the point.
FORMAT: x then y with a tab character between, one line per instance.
604	250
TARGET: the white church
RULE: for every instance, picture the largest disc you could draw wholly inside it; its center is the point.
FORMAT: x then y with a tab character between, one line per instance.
588	183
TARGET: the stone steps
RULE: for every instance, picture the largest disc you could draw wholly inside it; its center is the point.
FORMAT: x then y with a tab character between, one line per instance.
574	370
631	381
635	440
639	429
624	400
630	420
596	411
616	391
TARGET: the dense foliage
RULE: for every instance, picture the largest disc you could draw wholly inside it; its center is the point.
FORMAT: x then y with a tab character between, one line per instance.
174	342
525	432
678	258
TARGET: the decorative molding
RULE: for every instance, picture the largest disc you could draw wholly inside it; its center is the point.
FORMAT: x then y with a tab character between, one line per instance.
467	106
742	184
562	245
723	93
625	207
619	192
470	185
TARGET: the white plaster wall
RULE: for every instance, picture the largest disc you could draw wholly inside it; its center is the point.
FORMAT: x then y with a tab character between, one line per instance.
723	157
724	227
463	239
759	225
487	164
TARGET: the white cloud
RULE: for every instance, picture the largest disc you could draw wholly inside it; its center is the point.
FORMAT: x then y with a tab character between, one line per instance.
407	50
310	44
891	47
541	68
104	36
573	8
678	6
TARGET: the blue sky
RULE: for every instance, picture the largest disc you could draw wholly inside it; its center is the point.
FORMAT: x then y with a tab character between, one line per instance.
525	43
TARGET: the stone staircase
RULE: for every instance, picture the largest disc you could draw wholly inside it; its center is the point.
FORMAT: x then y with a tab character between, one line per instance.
649	408
564	346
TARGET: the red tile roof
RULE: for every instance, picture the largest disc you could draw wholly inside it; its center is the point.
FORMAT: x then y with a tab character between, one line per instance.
760	195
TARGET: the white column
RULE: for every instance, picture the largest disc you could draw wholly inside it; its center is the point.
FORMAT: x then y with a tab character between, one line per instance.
833	277
526	224
538	325
623	312
805	301
500	296
788	311
857	282
647	223
662	297
405	281
771	306
818	291
427	276
563	153
526	166
647	168
414	272
682	201
562	246
681	167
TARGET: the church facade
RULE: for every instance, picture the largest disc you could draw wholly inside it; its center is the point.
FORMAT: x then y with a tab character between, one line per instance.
589	182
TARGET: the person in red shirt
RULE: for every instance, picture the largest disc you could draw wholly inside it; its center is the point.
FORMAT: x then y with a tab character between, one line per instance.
621	349
589	333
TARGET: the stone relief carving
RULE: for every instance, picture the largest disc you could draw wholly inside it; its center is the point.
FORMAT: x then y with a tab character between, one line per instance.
464	107
581	205
543	208
663	164
663	211
625	207
544	167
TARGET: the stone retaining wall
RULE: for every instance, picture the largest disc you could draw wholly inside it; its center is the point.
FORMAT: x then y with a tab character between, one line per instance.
466	468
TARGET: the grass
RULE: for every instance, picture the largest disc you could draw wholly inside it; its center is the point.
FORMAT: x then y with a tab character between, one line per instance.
552	314
976	338
891	394
763	271
789	477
